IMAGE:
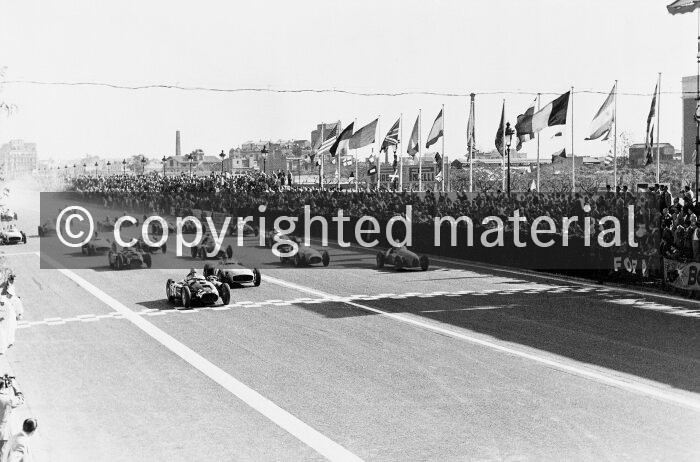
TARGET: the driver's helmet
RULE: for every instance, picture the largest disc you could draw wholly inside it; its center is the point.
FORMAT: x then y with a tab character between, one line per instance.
192	274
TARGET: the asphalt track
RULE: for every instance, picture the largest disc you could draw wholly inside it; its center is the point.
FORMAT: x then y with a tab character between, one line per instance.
462	362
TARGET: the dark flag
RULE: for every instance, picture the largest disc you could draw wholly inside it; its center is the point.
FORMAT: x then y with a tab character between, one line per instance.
438	166
364	136
501	128
552	114
683	6
649	145
413	141
341	143
436	131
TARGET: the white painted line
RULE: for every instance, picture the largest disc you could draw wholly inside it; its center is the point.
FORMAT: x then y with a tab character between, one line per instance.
625	384
17	254
303	432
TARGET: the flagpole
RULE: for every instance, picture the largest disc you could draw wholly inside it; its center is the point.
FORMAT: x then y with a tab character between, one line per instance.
420	155
658	130
337	160
615	137
470	143
503	146
323	136
401	152
442	167
538	148
357	166
379	154
573	155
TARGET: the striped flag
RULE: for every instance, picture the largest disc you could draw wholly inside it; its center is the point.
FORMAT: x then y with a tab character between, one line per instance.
436	131
391	138
648	147
605	117
413	141
340	145
683	6
552	114
330	137
523	126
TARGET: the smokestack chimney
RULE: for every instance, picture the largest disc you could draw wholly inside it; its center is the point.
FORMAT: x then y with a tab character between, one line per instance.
177	143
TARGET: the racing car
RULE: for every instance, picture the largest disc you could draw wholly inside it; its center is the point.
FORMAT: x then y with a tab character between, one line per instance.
7	214
105	225
197	290
144	247
207	245
96	245
304	255
248	230
402	258
49	227
12	235
232	272
127	257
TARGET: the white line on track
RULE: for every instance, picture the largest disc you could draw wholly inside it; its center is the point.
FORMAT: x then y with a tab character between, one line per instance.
302	431
629	385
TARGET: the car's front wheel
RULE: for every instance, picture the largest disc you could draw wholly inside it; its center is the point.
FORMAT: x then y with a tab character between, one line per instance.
380	260
168	294
325	258
225	293
257	277
147	260
186	297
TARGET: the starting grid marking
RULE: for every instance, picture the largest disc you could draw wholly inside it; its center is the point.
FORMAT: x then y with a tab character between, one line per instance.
551	290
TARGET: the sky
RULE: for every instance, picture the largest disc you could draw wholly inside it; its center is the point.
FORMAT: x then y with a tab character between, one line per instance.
498	50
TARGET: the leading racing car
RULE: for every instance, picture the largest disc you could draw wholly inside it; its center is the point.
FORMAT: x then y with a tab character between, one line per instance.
232	272
208	245
402	258
196	290
304	255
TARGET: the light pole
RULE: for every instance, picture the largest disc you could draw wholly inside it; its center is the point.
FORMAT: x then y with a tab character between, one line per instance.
84	168
143	165
109	164
96	168
264	153
223	156
190	158
164	160
73	170
124	166
509	139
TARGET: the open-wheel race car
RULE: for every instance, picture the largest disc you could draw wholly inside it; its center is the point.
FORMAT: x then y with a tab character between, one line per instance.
105	225
402	258
232	273
207	246
271	235
248	229
156	228
144	247
304	255
48	228
127	258
12	235
196	290
96	245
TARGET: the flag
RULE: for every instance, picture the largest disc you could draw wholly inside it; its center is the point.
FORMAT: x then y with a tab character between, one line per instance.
533	186
471	135
364	136
347	160
648	147
523	126
372	170
391	138
342	141
609	159
328	141
683	6
559	153
438	161
413	141
501	128
438	177
603	121
435	132
552	114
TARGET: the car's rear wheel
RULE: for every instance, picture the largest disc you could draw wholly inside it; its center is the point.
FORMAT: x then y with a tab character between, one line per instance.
147	260
256	231
24	238
229	251
170	297
202	253
297	260
398	264
110	256
120	262
424	263
186	297
257	277
208	270
164	248
193	251
225	293
40	231
380	260
325	258
91	250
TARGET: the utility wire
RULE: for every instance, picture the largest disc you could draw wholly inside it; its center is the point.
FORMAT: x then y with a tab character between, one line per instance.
312	90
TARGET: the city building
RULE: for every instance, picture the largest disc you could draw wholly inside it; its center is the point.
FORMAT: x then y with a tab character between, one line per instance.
637	155
689	85
18	157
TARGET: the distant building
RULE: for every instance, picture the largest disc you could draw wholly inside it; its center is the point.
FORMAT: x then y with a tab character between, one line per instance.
637	156
18	157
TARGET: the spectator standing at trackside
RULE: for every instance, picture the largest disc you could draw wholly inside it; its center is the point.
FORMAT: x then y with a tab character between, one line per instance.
289	177
19	446
10	398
